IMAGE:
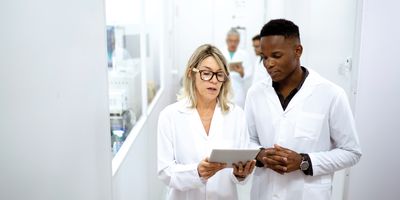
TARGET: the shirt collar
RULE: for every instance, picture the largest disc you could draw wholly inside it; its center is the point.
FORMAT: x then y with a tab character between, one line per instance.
303	79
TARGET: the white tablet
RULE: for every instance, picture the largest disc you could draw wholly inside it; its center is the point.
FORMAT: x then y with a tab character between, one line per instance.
230	156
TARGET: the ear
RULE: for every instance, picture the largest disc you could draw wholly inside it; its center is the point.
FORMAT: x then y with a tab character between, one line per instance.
298	50
190	74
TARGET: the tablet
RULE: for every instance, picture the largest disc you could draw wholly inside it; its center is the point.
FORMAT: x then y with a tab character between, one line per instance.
230	156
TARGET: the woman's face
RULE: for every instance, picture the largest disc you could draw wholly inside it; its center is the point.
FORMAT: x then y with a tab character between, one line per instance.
208	90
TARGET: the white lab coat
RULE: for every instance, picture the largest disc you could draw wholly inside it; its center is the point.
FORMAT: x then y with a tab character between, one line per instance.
259	72
183	143
317	121
238	82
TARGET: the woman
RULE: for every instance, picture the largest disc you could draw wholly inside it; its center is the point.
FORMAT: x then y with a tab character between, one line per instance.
202	120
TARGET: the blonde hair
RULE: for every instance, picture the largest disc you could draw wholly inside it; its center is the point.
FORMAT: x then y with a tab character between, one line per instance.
189	86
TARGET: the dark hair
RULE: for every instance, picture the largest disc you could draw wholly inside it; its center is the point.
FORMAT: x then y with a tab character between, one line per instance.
256	37
282	27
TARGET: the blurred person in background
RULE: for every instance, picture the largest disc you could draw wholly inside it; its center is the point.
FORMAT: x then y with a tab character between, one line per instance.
239	67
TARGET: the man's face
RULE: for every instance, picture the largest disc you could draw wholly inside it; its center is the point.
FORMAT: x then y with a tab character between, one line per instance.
281	56
257	47
232	41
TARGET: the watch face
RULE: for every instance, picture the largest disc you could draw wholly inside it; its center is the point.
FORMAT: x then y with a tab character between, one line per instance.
304	165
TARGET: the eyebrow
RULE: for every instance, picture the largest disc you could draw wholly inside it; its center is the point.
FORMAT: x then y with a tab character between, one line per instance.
273	53
208	68
276	52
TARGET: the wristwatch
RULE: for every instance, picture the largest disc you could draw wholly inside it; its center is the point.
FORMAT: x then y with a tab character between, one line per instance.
304	165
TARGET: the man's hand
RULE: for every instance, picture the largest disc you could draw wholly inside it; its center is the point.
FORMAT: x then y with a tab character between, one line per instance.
208	169
280	159
275	160
293	158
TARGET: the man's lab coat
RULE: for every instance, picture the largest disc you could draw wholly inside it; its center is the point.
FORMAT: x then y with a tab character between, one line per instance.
317	121
183	143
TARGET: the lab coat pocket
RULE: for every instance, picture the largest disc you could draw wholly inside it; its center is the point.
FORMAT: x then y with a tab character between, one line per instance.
308	125
319	187
317	192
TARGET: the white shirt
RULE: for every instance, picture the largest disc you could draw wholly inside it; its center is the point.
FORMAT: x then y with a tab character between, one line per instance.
183	143
238	82
317	121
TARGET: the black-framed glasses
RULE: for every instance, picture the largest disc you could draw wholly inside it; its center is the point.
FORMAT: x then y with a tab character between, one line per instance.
207	75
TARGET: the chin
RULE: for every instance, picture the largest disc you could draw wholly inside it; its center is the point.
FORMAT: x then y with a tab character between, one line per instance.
209	97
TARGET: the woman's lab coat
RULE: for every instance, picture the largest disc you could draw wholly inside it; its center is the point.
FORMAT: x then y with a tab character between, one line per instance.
317	121
238	82
183	143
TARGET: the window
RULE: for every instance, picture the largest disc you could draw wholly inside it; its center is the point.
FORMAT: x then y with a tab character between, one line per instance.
133	55
124	68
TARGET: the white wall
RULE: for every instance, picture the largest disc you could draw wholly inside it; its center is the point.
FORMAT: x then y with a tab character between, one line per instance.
54	127
377	104
327	31
193	26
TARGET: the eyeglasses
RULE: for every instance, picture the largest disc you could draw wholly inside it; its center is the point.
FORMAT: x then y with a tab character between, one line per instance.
207	75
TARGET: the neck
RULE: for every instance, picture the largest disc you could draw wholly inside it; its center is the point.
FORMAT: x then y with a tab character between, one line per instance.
292	80
206	105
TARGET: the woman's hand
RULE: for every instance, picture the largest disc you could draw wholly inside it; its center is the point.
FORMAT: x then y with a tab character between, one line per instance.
208	169
242	171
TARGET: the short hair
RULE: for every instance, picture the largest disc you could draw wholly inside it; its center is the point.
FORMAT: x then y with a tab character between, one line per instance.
189	86
256	37
282	27
233	31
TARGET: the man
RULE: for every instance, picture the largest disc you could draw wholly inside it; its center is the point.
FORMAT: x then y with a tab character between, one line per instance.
238	65
259	72
301	121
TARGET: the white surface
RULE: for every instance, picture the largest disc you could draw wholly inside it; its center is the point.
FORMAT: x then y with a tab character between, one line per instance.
230	156
377	104
54	126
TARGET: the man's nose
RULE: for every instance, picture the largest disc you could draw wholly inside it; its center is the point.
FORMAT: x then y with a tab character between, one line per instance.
269	63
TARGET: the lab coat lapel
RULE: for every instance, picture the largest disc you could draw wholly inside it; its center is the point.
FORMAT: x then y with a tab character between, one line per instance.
305	91
194	118
273	98
216	126
300	97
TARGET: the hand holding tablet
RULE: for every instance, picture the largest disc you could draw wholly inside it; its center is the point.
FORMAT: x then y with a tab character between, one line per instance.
230	156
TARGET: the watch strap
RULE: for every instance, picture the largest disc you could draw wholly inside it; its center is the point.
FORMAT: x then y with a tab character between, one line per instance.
259	163
307	158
